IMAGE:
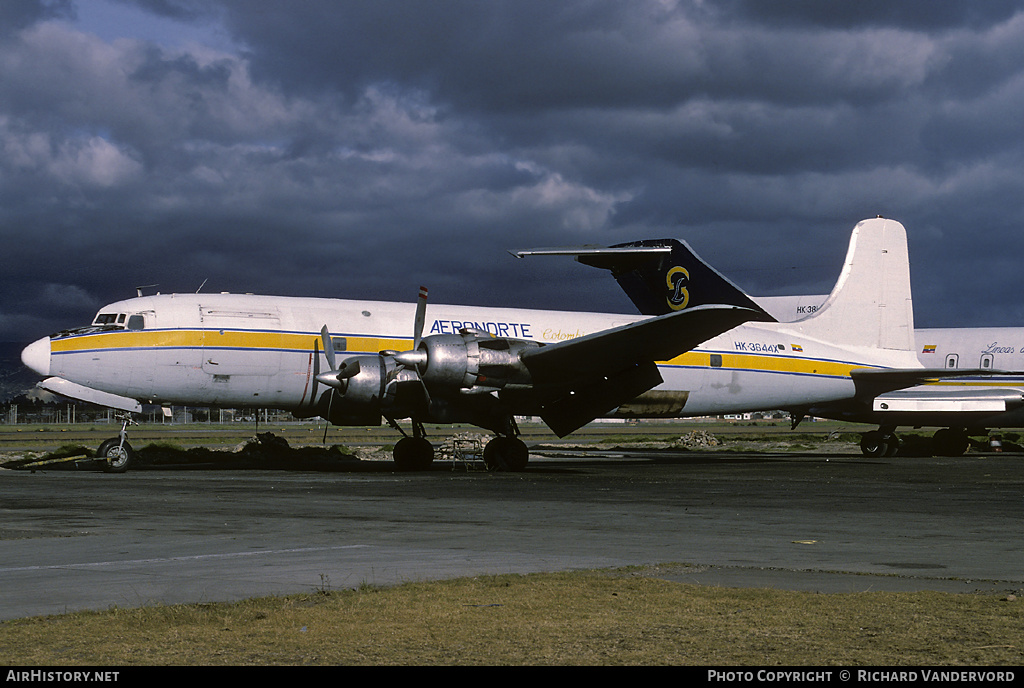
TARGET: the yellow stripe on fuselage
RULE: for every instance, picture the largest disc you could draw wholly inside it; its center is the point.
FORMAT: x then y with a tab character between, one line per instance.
287	341
223	339
773	364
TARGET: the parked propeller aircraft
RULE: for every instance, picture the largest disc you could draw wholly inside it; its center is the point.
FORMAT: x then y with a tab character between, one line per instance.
967	405
712	350
978	372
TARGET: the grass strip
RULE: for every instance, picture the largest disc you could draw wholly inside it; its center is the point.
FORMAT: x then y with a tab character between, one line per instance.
573	618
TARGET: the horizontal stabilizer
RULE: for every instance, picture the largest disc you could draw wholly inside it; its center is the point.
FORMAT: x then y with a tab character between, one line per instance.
660	275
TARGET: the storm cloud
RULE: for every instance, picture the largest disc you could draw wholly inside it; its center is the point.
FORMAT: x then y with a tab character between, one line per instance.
359	149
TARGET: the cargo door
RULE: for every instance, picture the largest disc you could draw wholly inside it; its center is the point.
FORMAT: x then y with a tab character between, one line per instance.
239	342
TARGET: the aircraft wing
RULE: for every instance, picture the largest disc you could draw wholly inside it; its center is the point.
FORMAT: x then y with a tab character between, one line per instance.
928	400
916	390
871	382
580	379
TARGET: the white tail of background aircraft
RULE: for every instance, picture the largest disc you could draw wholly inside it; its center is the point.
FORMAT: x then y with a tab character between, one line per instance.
871	305
706	348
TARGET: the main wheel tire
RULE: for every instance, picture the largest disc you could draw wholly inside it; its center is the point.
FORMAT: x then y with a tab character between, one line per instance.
413	454
878	444
506	454
949	442
117	456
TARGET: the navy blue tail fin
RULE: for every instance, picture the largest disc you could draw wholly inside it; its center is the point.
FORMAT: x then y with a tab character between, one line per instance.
666	280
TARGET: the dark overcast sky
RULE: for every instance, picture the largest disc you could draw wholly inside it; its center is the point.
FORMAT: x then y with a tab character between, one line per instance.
360	149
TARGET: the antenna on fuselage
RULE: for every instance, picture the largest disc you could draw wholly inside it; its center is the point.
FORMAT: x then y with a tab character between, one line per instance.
138	290
202	285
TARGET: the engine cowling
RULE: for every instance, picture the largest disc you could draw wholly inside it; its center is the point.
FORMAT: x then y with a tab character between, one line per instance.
366	387
398	384
472	362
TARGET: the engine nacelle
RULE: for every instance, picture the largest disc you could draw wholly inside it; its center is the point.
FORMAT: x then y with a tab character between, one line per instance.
366	387
379	385
399	384
473	361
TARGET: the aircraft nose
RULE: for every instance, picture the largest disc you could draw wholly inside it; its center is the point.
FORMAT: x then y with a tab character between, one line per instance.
37	356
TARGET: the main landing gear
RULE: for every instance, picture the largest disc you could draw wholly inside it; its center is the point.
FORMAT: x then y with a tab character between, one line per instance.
416	453
504	453
881	442
884	442
116	453
950	442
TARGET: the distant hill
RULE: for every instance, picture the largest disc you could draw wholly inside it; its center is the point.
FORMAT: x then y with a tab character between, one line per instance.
15	378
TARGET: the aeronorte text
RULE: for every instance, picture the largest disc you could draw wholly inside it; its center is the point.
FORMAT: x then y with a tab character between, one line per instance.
498	329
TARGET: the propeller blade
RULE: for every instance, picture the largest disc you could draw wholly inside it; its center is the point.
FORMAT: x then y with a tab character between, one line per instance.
327	425
349	368
325	334
421	317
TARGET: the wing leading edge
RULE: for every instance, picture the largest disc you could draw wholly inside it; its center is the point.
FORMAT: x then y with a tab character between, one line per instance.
872	382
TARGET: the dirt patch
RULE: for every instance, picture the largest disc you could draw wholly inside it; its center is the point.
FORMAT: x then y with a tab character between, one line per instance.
264	451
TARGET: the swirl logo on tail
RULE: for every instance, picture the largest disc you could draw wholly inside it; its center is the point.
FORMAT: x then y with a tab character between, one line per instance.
677	280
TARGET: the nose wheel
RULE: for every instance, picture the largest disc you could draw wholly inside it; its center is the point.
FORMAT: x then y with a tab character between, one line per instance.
117	455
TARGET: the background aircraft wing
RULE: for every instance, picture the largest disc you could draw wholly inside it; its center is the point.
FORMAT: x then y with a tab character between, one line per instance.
951	400
580	379
871	382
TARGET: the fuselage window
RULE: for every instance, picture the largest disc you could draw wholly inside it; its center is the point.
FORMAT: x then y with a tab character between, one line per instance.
986	361
339	343
136	322
716	360
952	361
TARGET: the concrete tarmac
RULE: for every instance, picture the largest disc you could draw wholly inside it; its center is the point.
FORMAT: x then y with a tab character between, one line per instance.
89	540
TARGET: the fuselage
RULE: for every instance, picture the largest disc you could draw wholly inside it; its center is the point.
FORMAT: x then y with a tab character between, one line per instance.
996	349
247	350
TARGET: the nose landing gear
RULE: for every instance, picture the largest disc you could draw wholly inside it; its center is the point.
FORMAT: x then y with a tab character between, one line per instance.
116	453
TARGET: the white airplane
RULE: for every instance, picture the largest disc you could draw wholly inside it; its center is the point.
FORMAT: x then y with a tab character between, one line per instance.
961	407
713	351
979	372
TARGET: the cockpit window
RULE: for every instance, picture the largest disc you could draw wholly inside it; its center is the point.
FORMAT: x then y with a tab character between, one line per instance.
105	319
136	322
